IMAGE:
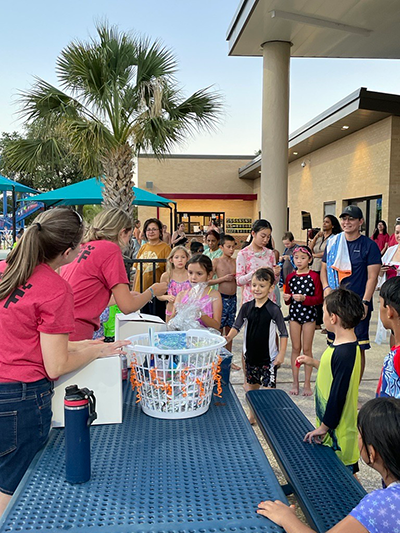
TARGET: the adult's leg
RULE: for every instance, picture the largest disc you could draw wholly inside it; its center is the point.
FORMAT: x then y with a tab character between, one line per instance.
295	337
308	337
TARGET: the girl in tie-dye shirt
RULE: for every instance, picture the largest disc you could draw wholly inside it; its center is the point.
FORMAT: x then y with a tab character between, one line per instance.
256	255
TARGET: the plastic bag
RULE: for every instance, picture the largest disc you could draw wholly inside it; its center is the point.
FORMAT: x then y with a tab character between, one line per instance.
189	311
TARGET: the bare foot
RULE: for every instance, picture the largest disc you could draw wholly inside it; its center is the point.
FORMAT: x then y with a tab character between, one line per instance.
294	391
307	391
252	420
235	367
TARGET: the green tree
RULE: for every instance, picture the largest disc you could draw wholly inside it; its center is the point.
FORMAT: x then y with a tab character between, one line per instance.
40	158
119	96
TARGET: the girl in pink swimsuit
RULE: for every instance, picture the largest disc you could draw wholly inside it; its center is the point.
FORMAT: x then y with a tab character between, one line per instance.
200	270
176	277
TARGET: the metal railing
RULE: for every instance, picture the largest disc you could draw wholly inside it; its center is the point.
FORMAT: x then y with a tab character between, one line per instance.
140	262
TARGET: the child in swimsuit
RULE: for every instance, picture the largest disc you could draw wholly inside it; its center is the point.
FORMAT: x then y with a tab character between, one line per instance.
176	277
200	270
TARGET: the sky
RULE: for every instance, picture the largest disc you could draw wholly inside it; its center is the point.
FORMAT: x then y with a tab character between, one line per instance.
34	33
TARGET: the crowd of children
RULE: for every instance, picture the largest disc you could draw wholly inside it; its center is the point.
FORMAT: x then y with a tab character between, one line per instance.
93	276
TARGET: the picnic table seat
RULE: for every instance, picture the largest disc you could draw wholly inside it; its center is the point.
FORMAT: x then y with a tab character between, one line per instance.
324	487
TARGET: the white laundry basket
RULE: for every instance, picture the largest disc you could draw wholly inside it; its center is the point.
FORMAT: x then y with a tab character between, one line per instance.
174	372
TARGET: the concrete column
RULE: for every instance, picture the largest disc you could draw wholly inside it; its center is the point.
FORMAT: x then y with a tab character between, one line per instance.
275	133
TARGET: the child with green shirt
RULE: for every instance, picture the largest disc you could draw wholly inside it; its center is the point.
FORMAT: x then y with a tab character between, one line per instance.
338	378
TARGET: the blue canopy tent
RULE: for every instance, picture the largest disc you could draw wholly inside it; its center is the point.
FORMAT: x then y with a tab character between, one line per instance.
13	186
89	192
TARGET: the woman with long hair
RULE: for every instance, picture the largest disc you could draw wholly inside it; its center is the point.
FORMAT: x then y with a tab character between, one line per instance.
381	236
99	273
36	316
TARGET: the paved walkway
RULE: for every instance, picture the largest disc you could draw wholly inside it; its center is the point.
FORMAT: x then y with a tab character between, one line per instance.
374	358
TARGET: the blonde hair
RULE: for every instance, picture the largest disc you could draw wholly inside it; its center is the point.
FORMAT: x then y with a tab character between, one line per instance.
170	266
107	226
50	235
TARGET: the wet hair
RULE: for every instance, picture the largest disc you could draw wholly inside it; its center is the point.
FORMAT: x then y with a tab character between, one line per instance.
376	230
153	221
170	266
305	250
136	222
214	233
347	305
336	227
264	274
107	225
225	238
50	235
379	425
390	293
196	246
203	260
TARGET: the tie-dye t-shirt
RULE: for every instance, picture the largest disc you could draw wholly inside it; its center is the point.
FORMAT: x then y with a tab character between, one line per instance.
247	262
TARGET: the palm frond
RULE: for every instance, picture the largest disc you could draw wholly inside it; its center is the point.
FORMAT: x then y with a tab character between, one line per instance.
27	155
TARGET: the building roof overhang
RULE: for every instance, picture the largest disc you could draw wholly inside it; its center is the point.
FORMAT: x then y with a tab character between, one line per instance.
355	112
318	28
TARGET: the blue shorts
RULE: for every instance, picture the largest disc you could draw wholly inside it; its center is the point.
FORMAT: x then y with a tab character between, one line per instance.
361	331
229	304
25	419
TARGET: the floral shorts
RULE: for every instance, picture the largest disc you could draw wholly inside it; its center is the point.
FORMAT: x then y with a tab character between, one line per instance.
262	375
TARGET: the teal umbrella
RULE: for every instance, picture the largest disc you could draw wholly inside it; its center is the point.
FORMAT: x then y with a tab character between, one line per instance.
89	192
14	186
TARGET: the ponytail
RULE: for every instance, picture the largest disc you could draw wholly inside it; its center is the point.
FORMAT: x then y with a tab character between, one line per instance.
50	235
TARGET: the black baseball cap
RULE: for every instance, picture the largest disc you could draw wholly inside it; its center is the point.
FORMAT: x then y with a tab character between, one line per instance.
352	211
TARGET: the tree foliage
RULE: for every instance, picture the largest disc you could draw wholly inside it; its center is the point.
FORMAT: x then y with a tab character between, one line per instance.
118	96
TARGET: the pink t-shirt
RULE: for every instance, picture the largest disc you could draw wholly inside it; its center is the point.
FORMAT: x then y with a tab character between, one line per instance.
44	304
97	269
247	262
381	240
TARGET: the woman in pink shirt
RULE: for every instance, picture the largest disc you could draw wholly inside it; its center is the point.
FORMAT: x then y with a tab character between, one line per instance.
36	317
256	255
99	273
381	236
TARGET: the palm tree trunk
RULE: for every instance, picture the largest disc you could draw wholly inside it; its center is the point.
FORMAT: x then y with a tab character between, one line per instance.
118	179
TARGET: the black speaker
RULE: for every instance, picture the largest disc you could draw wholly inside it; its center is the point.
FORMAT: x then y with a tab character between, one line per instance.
306	220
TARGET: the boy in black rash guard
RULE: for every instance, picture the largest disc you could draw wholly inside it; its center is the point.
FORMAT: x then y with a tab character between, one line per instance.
263	317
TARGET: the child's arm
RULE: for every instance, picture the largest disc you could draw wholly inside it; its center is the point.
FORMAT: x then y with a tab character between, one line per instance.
287	295
305	360
238	324
283	341
277	317
166	297
178	299
318	297
215	321
241	277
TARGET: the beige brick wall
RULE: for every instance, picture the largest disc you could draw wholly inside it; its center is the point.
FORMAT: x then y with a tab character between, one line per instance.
354	167
193	175
196	175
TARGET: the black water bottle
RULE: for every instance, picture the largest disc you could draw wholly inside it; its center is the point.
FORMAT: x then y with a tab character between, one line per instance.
80	412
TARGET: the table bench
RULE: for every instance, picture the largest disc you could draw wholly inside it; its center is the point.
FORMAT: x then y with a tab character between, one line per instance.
324	487
200	475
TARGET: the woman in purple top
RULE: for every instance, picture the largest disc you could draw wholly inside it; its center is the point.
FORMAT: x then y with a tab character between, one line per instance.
379	443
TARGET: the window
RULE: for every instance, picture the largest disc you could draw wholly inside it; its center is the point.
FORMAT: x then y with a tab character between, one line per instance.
329	208
372	211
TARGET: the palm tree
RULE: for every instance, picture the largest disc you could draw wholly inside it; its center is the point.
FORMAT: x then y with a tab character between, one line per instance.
118	96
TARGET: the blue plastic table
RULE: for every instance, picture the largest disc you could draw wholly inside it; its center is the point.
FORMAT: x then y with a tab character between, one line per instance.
200	475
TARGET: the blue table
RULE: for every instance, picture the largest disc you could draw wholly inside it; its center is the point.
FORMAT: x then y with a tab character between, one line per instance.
200	475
